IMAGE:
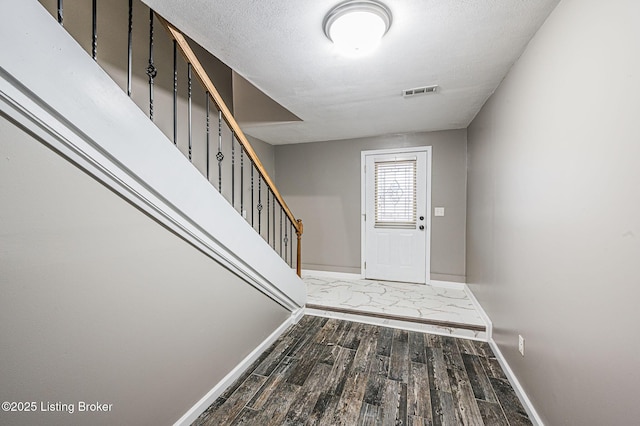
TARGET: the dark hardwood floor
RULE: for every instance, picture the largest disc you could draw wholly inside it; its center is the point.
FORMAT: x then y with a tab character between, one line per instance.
331	372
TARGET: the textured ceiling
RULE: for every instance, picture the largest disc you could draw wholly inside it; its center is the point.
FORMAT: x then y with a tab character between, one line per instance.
464	46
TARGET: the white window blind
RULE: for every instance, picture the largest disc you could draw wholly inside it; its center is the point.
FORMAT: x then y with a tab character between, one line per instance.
395	194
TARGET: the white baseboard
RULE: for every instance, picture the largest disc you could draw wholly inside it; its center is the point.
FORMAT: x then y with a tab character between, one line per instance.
330	274
204	403
350	276
447	284
297	315
526	402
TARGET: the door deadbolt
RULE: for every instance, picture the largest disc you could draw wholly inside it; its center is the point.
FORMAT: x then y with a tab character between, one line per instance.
421	217
422	227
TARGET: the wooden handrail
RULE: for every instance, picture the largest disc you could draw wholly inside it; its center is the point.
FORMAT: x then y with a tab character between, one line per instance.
191	58
202	75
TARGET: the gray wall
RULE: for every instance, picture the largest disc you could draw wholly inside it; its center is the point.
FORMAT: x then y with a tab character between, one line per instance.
101	303
321	183
266	153
554	214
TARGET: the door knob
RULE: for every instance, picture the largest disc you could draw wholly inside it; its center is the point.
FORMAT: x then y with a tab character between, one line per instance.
422	227
421	217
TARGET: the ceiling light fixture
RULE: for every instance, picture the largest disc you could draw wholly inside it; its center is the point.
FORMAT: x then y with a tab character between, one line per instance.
357	26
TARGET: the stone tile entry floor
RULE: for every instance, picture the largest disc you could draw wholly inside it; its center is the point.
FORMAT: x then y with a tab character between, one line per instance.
325	371
417	307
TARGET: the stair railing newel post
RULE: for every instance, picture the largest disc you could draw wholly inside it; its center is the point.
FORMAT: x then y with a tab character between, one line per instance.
299	230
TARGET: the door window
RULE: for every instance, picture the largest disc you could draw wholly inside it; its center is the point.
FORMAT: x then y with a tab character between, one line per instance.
395	194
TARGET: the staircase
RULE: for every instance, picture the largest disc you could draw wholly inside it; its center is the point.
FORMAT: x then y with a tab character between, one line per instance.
157	317
180	164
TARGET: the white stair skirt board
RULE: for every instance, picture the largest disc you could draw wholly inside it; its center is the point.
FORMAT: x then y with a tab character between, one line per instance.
204	403
112	139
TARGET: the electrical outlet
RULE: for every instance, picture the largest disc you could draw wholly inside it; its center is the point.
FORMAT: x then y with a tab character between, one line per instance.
521	345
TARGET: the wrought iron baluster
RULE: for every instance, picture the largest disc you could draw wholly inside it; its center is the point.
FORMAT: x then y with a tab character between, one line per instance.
285	233
208	133
94	29
252	193
233	175
189	83
220	155
286	239
259	207
281	209
242	182
151	69
60	12
129	47
175	93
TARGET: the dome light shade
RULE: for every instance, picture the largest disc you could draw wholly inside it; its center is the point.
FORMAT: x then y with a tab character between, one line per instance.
357	26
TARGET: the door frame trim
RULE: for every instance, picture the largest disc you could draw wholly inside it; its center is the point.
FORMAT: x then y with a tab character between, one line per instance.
363	188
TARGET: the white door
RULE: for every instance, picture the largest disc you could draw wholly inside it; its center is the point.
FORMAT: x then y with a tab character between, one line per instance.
396	222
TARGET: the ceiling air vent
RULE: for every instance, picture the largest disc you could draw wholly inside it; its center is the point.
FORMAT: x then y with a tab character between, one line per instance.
419	91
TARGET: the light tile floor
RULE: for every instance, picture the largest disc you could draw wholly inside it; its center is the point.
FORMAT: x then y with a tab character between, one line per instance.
449	309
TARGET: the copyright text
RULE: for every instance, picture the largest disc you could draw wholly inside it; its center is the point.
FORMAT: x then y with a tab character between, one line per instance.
56	407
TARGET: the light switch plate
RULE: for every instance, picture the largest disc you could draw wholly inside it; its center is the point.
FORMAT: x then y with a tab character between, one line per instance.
439	211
